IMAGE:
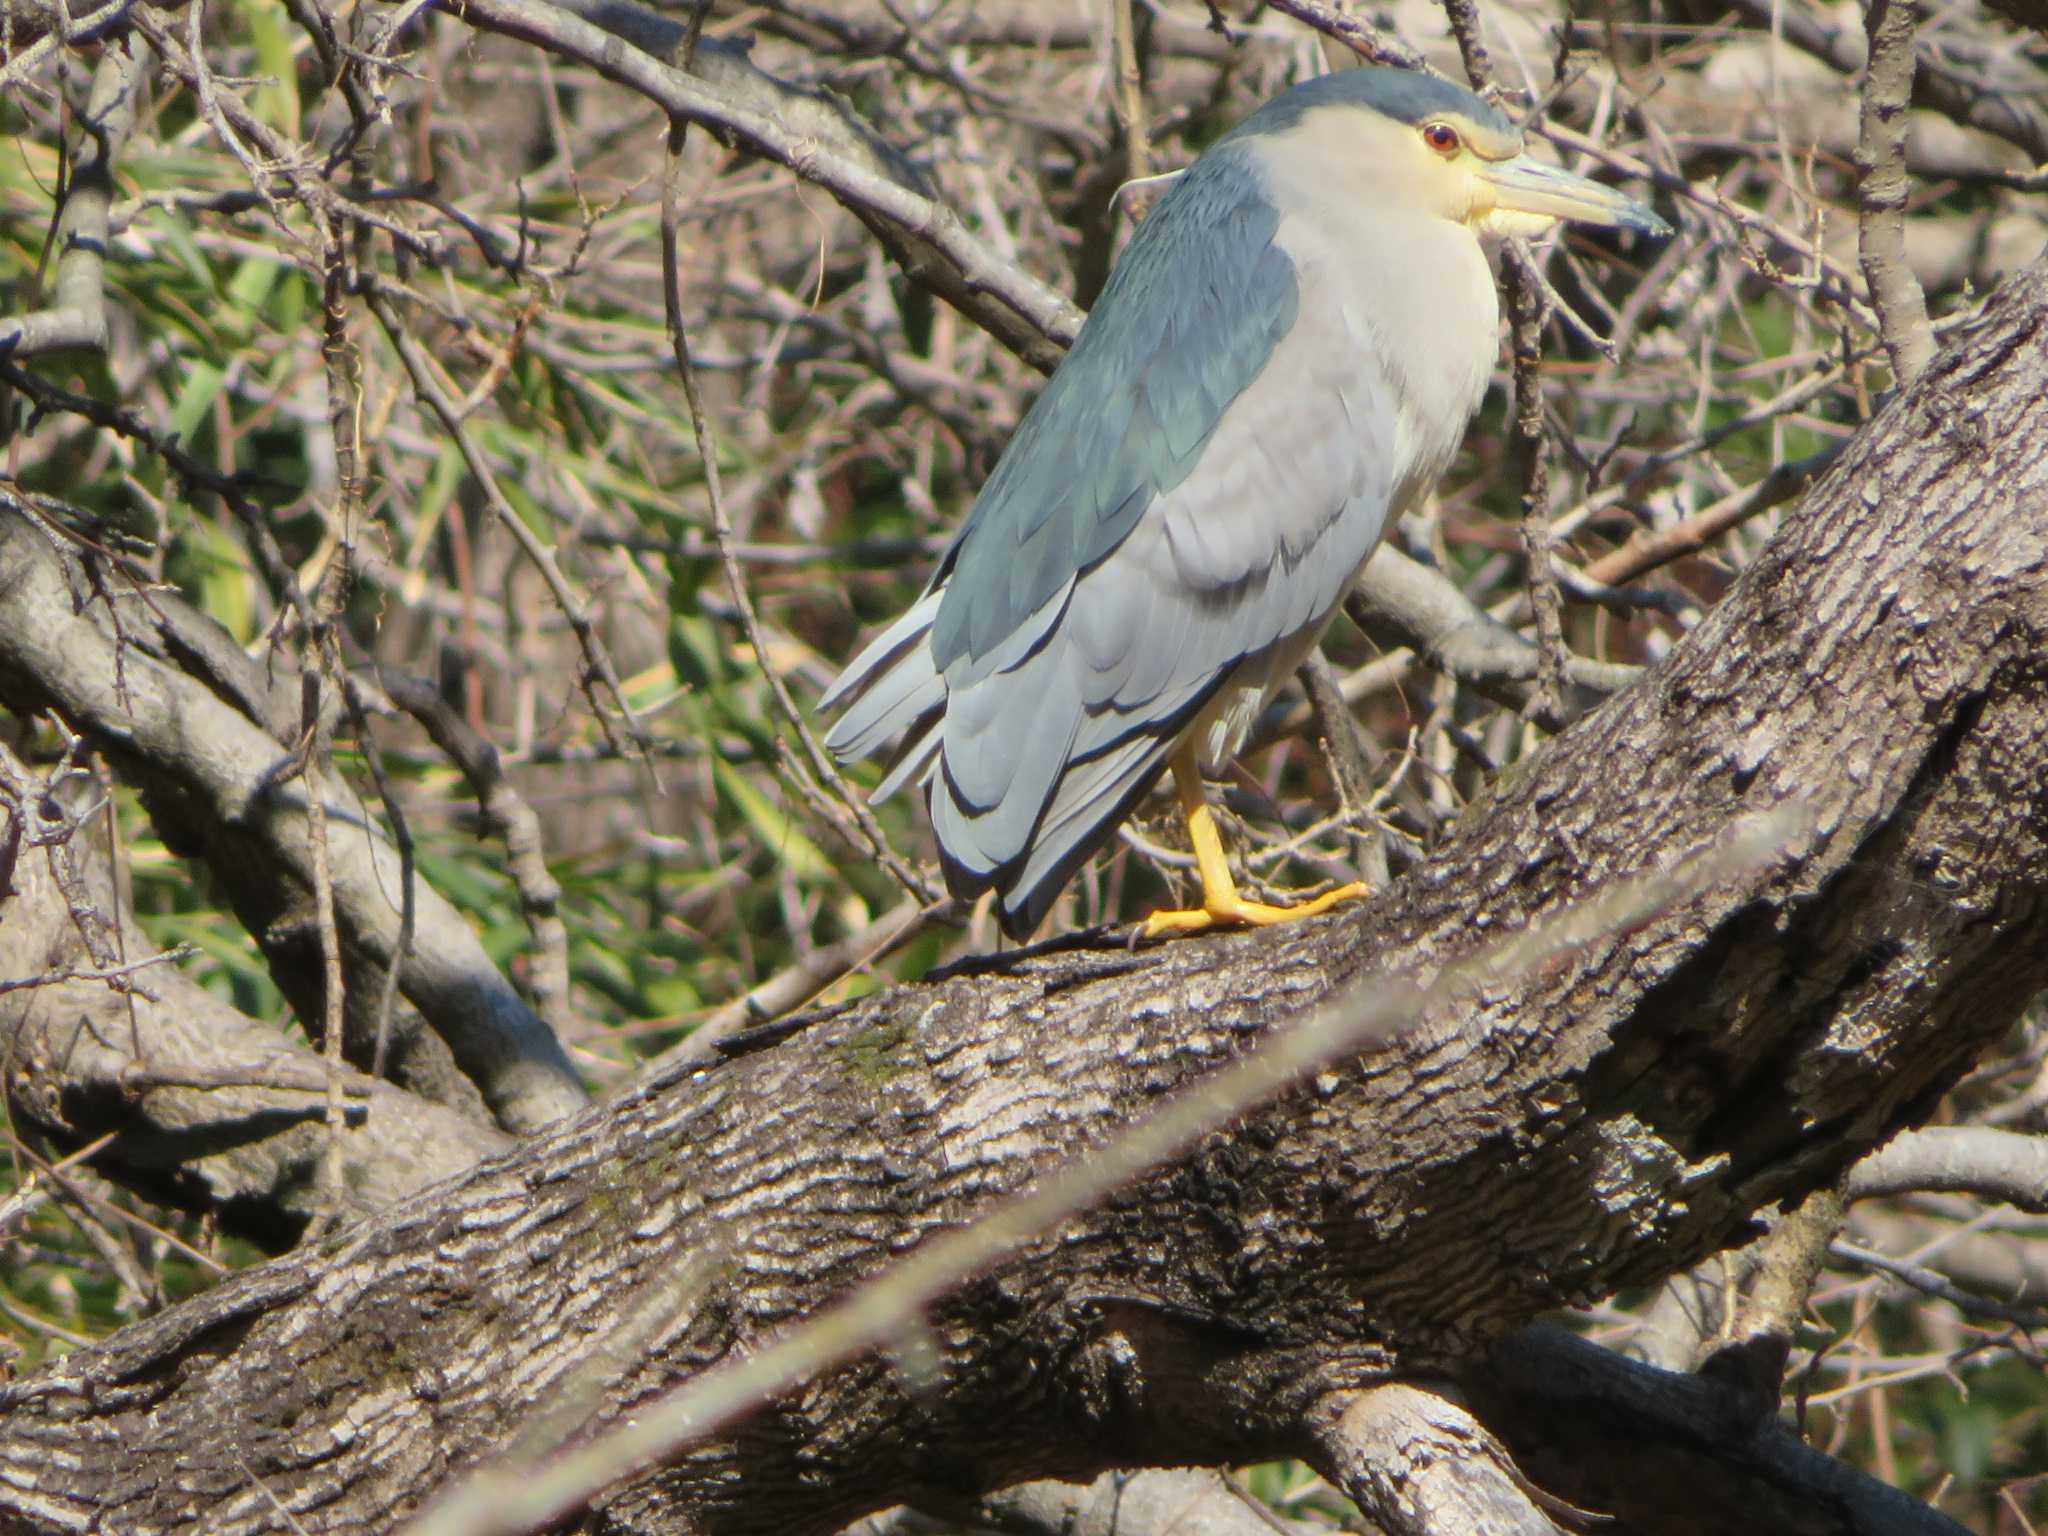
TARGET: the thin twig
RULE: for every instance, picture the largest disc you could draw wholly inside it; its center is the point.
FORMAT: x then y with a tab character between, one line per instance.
795	986
822	770
1366	41
1130	94
279	159
1525	309
596	658
283	1076
505	813
111	973
1526	314
1930	1283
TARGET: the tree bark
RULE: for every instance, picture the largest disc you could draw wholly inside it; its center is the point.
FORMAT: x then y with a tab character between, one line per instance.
1603	1123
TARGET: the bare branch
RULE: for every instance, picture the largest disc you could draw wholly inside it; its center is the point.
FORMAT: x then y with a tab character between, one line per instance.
1419	1464
1788	1261
1974	1160
1165	1501
507	815
64	31
1022	312
1882	189
1925	1280
1130	93
175	1094
1669	1451
2007	114
217	769
1456	637
791	988
1367	42
79	317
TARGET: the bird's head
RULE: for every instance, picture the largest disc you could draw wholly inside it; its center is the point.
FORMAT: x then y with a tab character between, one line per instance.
1410	141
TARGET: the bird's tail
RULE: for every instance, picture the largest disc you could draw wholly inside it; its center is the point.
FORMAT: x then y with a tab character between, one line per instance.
892	689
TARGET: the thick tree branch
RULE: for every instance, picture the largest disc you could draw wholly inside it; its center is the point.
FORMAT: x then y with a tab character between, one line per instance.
1155	1502
1959	1159
190	1094
1668	1453
210	775
506	1499
1418	1464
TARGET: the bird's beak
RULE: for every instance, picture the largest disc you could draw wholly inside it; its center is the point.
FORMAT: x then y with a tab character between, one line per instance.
1527	186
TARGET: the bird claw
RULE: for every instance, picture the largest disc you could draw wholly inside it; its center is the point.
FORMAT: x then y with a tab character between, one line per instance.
1235	912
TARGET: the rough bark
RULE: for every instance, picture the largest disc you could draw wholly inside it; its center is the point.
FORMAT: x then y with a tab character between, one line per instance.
1601	1124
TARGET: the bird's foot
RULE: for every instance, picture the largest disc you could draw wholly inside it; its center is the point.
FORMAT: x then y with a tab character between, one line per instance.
1233	911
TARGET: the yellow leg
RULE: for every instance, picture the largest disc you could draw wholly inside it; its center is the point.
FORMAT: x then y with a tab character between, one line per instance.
1221	905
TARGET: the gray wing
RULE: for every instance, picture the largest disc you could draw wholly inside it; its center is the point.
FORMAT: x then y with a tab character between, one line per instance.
1041	750
1189	318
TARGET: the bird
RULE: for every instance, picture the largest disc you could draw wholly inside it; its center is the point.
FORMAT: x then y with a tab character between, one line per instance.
1282	362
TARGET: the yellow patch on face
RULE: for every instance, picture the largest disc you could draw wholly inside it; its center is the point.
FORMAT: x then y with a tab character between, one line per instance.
1506	223
1430	167
1473	136
1463	145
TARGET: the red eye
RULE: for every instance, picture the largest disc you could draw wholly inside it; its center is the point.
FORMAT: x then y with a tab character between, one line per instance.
1441	137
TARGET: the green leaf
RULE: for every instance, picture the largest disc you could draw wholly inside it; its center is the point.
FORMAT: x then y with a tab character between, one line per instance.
778	832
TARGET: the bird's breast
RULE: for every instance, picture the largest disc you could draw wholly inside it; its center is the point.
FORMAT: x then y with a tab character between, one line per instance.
1414	299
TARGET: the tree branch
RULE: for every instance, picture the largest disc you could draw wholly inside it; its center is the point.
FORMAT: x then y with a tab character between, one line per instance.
2005	114
1670	1452
817	138
1418	1464
1425	609
79	317
184	1099
1367	42
507	816
1974	1160
1882	189
209	775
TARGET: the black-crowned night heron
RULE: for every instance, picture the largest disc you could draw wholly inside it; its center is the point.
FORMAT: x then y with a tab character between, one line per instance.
1283	360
